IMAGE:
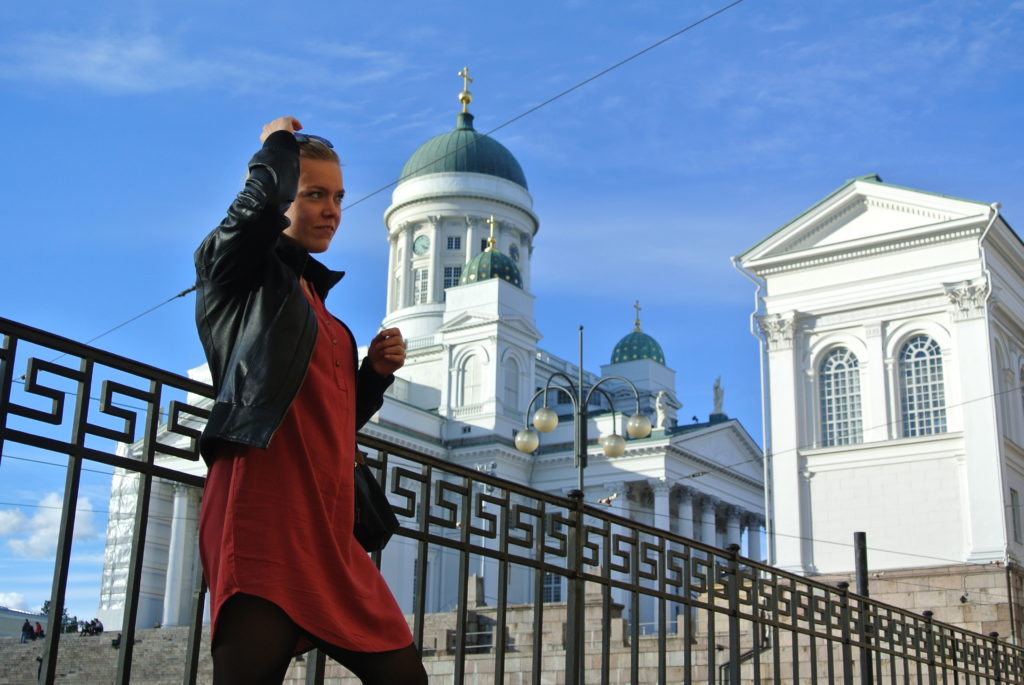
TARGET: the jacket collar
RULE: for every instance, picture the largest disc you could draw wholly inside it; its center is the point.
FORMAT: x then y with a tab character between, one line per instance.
300	261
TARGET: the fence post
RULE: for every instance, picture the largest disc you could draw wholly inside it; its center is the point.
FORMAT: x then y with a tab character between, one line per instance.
733	590
860	547
844	603
929	644
574	642
995	655
315	667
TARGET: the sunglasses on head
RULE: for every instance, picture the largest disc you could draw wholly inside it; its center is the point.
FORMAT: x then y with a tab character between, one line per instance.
306	137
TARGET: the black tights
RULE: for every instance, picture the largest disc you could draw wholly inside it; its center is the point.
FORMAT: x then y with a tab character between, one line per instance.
256	641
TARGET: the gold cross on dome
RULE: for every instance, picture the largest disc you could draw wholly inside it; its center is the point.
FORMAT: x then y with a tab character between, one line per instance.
465	97
637	307
491	241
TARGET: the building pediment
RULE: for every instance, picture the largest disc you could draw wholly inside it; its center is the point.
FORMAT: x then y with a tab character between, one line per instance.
468	320
863	216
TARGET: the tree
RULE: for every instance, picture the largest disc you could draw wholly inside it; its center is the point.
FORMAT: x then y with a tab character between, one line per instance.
65	620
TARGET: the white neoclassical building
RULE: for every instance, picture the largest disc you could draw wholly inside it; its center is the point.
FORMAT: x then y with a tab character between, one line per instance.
892	326
460	236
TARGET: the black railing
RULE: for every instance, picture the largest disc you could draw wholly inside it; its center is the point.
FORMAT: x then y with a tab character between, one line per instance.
655	607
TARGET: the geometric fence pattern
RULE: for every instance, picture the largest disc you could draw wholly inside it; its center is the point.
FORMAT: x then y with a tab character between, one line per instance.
717	617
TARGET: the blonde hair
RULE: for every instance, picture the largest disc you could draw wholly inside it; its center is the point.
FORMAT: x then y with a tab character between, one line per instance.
314	149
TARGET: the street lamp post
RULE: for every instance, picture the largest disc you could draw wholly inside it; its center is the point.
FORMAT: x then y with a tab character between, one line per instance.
545	419
527	440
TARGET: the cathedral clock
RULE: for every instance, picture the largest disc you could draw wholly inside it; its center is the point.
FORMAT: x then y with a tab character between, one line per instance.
421	245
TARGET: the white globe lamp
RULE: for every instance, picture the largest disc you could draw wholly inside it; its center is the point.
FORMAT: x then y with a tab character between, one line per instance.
638	426
614	445
527	441
545	420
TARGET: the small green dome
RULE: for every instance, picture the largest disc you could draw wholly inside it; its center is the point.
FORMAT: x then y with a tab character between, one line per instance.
637	345
491	264
463	149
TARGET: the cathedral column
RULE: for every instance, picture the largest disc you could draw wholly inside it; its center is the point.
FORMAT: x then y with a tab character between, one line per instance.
661	489
708	505
616	495
732	525
471	237
435	276
983	513
662	521
392	264
754	537
685	517
875	414
405	296
789	503
175	580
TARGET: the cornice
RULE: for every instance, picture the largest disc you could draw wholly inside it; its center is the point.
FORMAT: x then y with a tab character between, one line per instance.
714	467
403	437
390	211
843	252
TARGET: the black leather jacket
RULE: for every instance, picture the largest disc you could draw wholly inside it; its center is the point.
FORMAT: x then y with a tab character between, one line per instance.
257	328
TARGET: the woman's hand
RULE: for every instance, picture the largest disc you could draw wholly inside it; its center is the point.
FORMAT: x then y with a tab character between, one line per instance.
280	124
387	351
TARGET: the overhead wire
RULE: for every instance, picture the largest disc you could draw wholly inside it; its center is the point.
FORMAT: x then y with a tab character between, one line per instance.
488	133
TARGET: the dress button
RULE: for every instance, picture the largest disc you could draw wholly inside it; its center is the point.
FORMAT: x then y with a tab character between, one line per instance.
337	363
335	341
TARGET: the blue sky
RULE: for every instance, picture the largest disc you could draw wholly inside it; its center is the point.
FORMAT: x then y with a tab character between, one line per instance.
128	125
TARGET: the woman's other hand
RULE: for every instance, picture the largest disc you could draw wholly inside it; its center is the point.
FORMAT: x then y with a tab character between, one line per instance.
387	351
280	124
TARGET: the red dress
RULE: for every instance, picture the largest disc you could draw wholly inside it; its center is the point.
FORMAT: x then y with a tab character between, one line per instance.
277	523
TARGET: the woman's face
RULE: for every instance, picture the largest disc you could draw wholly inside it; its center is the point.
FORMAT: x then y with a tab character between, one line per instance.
316	212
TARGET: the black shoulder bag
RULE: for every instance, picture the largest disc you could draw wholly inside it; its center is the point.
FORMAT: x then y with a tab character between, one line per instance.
375	521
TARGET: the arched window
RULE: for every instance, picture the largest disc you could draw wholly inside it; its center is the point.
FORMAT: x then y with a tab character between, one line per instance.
922	396
511	384
420	285
469	392
839	391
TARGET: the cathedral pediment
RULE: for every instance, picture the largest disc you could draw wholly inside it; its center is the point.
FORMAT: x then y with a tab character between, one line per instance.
467	320
473	320
864	213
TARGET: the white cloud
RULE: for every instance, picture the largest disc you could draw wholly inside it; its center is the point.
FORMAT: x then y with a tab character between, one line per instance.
12	521
41	530
146	63
13	600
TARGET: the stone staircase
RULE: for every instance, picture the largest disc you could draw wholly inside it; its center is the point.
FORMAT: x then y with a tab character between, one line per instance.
159	658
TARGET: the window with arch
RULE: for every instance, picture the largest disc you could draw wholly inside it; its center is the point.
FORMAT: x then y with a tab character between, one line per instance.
470	381
839	395
922	394
511	383
420	285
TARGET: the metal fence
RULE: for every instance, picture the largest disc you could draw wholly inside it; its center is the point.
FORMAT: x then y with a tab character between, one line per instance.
628	603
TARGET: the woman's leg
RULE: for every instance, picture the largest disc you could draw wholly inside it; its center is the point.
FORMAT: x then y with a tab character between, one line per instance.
255	642
402	666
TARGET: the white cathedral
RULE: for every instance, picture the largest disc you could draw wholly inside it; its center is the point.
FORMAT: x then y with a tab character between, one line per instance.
892	328
460	235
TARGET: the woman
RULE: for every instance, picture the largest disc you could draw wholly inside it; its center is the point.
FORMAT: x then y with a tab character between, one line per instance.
284	569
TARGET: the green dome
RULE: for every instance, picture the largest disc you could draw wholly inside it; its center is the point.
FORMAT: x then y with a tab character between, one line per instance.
491	264
637	345
463	149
